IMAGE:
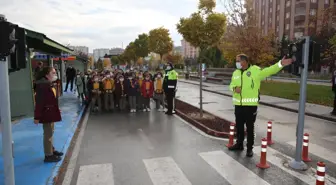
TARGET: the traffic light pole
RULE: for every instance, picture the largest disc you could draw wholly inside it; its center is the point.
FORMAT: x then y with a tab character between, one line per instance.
6	124
297	163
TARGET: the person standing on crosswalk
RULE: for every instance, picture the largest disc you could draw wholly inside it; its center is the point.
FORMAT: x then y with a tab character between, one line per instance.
245	85
169	86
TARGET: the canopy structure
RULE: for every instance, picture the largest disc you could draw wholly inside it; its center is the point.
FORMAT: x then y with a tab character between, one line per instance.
41	43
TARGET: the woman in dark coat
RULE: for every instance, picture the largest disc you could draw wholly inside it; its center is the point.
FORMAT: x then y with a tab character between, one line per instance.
47	111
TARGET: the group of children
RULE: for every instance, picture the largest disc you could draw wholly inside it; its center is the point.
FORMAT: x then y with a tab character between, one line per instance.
121	91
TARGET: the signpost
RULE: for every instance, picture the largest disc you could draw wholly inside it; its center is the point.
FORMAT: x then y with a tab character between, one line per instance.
297	163
202	69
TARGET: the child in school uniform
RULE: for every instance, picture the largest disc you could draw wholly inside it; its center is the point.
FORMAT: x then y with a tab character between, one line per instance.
108	84
147	90
120	92
158	91
132	91
96	92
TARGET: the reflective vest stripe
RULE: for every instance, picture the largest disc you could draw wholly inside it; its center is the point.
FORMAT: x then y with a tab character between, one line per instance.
246	100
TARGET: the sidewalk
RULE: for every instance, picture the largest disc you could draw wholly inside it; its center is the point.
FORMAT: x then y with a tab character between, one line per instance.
314	110
28	144
285	122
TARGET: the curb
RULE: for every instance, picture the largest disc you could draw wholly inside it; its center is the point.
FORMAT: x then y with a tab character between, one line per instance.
66	147
199	125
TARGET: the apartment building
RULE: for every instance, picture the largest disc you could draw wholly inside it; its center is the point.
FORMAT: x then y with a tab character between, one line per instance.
290	17
101	52
80	49
189	51
116	51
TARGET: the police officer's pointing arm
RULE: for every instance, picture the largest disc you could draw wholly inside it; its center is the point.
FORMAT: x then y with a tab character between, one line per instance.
274	69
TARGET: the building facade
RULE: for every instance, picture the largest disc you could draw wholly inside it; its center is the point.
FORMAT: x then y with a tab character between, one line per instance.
80	49
116	51
290	18
189	51
99	53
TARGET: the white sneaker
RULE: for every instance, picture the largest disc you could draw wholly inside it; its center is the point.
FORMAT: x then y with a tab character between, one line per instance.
131	110
144	110
161	110
134	110
148	109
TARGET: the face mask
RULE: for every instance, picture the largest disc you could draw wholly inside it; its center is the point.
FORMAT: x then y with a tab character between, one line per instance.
108	76
121	79
96	79
159	76
168	68
127	71
86	76
147	78
54	78
78	76
238	65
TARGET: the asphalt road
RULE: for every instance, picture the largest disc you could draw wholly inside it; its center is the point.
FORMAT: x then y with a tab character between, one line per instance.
152	148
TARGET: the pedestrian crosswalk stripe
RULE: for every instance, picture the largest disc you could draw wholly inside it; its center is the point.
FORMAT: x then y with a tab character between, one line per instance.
319	151
97	174
231	170
279	159
164	171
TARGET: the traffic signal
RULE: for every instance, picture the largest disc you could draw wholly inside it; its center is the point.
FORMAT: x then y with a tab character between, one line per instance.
7	38
295	52
314	53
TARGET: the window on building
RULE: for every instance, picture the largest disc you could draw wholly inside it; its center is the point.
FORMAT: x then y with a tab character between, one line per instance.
262	23
312	12
313	1
287	15
271	10
270	20
278	7
271	1
287	26
277	28
278	18
326	1
288	3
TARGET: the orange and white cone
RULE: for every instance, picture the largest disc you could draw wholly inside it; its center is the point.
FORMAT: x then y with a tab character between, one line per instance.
263	162
305	152
320	173
231	136
269	133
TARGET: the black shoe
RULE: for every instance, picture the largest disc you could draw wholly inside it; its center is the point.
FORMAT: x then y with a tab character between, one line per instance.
169	113
236	147
52	159
249	153
57	153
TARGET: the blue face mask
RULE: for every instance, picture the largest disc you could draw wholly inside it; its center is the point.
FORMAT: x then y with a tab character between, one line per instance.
238	65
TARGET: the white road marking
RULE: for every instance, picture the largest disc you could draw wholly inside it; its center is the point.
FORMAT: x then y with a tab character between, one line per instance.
164	171
96	174
332	138
73	160
231	170
319	151
199	131
281	160
145	139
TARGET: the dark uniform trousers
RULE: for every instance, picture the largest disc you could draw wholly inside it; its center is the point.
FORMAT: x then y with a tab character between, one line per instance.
245	115
170	100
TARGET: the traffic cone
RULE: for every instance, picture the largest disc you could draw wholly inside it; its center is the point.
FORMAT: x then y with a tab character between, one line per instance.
231	136
269	133
320	173
305	156
263	163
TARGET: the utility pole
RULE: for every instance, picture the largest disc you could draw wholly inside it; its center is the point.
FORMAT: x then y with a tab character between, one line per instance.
297	163
7	45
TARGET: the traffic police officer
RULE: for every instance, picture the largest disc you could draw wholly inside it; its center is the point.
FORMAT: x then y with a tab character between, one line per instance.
169	85
245	84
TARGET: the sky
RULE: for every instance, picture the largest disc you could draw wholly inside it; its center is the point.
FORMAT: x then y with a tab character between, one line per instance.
98	23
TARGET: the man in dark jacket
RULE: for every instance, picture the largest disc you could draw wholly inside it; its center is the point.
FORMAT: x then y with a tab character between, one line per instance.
70	77
169	86
334	90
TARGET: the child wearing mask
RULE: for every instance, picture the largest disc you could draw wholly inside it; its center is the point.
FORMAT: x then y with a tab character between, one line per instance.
80	84
96	92
158	91
108	84
120	93
147	92
132	91
140	103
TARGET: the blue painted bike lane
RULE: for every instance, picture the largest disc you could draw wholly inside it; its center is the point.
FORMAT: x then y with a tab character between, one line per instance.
28	144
